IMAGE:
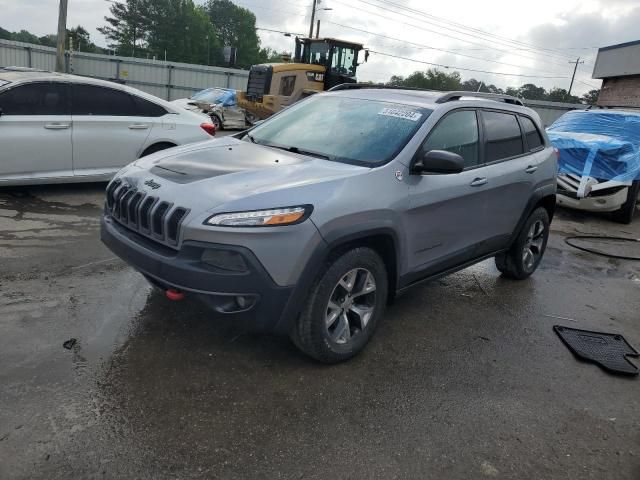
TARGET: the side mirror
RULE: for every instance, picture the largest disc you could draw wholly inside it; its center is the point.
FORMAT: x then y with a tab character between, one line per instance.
439	161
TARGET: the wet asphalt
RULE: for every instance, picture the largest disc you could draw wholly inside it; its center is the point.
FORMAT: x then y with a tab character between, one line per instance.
464	379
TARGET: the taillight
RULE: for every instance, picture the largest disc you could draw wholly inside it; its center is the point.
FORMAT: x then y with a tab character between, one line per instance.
557	152
210	128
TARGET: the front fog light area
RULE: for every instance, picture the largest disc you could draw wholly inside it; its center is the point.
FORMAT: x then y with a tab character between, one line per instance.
227	260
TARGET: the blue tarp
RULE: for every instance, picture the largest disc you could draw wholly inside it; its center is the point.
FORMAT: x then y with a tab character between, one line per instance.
602	144
224	96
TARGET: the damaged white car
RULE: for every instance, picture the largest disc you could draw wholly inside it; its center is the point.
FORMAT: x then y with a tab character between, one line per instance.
599	162
220	105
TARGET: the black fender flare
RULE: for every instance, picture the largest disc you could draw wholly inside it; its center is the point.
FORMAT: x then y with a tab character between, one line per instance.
334	241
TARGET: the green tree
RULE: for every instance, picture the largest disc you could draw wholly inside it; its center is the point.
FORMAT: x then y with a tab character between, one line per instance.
82	40
431	79
124	28
25	36
530	91
5	34
50	40
182	30
591	97
561	95
396	81
235	27
269	55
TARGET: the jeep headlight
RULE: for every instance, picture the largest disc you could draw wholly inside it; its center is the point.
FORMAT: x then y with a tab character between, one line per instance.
262	218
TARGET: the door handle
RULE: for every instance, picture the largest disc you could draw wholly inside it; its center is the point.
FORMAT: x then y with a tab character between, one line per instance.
57	126
478	182
138	126
531	169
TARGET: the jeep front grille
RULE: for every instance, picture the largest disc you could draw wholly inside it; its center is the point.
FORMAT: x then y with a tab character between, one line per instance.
145	214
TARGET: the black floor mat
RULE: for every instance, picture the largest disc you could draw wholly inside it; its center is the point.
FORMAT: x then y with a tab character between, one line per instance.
608	350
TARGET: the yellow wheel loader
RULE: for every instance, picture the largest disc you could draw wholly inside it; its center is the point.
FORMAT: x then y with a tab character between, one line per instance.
319	64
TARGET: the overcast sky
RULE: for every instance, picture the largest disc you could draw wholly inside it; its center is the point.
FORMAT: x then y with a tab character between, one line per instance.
549	33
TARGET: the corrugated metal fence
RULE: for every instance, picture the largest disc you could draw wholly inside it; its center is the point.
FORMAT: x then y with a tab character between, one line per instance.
168	80
550	111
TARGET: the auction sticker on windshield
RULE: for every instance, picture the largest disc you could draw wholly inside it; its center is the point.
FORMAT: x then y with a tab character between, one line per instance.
400	113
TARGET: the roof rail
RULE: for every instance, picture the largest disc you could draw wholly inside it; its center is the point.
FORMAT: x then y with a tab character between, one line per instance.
23	69
359	86
450	96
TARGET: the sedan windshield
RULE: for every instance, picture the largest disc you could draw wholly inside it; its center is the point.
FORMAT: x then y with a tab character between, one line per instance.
349	130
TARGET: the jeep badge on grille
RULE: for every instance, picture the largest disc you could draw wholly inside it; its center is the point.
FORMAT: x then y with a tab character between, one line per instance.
152	184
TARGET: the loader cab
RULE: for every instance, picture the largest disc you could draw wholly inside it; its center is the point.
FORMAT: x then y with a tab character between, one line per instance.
340	58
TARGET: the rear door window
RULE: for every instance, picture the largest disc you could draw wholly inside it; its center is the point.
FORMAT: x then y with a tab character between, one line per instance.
503	136
531	133
457	133
42	98
94	100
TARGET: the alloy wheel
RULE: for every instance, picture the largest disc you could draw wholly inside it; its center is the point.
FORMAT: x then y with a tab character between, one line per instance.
532	250
351	305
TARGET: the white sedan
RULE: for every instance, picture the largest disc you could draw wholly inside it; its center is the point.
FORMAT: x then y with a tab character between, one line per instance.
58	128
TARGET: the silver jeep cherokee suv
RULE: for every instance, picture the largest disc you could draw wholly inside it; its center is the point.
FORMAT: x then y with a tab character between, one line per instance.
315	219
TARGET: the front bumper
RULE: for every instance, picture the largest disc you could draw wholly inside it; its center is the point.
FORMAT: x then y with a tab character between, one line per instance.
601	203
251	291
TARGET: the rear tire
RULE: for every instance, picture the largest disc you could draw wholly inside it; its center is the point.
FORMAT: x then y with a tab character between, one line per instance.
524	256
343	307
628	209
217	122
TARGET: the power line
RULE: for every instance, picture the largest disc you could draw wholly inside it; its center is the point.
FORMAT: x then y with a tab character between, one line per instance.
280	31
457	30
473	29
431	48
461	68
422	29
279	10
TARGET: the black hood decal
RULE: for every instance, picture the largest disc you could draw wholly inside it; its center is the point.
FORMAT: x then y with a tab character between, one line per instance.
191	166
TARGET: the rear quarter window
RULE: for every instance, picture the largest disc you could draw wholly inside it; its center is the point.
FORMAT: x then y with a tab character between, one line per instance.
531	133
145	108
503	136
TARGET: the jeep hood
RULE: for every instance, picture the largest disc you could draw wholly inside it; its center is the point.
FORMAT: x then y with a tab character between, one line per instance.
228	169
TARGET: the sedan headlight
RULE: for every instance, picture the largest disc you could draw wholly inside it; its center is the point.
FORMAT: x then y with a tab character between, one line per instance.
262	218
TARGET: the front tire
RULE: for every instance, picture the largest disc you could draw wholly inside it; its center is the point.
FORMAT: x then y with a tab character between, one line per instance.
524	256
343	307
628	209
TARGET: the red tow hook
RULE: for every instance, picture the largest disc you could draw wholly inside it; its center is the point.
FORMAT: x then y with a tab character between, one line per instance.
174	295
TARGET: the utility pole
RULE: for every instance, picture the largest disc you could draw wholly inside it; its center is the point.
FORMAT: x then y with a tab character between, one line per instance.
574	74
313	17
318	28
62	32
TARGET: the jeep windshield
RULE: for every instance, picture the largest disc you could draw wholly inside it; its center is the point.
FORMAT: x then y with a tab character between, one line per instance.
349	130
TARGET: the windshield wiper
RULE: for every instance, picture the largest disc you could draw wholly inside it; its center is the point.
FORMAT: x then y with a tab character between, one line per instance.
253	140
303	152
